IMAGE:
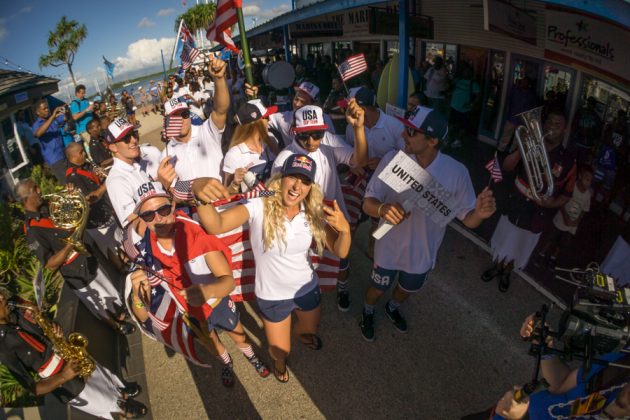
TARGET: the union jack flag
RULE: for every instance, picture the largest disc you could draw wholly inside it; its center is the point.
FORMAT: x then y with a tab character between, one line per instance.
353	66
495	169
187	36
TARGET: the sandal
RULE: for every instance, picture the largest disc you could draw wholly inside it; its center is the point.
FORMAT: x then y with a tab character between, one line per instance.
133	409
312	341
504	282
491	273
125	328
227	376
281	375
130	390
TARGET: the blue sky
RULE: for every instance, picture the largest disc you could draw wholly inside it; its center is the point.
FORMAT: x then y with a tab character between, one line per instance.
129	33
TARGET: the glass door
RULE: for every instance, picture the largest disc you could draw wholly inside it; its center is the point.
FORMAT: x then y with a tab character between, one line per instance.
492	91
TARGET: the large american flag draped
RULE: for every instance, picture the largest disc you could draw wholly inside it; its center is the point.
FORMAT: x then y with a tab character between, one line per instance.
224	17
353	66
353	189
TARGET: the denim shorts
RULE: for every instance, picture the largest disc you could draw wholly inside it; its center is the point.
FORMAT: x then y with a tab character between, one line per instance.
224	316
383	278
279	310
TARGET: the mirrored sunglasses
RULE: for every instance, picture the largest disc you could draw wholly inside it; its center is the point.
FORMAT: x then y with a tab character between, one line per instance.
315	135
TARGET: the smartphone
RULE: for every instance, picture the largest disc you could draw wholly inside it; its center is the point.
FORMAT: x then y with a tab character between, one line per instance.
329	203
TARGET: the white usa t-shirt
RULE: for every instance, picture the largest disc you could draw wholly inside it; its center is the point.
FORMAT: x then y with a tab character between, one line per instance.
283	271
201	156
413	244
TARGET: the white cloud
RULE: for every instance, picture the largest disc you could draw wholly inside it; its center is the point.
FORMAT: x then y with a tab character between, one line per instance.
3	30
26	9
165	12
144	53
255	10
251	10
145	22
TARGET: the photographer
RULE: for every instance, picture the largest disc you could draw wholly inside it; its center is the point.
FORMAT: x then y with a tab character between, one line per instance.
604	392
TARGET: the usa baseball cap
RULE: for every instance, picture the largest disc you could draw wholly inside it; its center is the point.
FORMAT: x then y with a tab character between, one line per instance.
432	123
117	130
300	165
363	95
309	118
174	105
147	191
252	111
309	88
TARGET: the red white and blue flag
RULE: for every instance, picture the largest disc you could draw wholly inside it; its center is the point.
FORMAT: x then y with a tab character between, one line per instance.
188	56
224	18
187	36
352	67
495	169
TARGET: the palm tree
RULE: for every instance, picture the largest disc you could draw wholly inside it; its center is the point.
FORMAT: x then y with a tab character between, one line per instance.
63	44
197	17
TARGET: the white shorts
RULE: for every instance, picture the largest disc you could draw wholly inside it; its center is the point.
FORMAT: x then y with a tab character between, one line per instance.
511	243
100	395
101	297
617	262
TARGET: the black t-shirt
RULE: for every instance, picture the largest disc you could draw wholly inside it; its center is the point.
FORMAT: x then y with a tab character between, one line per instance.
44	239
98	151
87	181
524	212
24	349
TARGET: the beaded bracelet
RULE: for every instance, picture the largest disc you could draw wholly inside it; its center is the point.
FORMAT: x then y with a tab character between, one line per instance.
379	209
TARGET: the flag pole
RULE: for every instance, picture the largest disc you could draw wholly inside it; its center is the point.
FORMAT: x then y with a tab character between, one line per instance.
342	81
163	65
181	22
245	47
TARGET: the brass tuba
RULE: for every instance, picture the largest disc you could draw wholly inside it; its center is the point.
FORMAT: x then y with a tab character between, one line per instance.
530	140
72	349
69	210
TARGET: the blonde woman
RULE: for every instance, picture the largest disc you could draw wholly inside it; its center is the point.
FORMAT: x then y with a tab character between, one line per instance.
282	229
251	148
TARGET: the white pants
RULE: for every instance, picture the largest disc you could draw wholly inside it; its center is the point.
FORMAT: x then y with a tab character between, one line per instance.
100	395
511	243
100	297
106	237
617	262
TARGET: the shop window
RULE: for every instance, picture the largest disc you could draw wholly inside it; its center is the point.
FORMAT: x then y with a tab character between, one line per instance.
492	94
610	100
447	51
9	145
556	87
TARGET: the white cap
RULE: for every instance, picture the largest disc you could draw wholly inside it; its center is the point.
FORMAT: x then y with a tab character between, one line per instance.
309	118
174	105
309	88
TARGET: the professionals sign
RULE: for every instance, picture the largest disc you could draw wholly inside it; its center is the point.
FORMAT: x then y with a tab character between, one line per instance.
577	38
415	184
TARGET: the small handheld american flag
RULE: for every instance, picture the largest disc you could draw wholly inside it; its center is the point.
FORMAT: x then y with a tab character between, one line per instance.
495	170
353	66
188	56
238	197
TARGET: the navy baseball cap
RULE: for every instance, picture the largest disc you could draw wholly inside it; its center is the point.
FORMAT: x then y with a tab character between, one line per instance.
433	124
300	165
253	110
363	96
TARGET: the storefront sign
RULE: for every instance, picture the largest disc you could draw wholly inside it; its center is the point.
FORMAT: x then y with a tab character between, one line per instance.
356	22
576	38
417	186
315	29
502	17
385	22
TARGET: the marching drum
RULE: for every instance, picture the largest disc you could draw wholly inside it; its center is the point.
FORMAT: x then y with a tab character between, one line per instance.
279	75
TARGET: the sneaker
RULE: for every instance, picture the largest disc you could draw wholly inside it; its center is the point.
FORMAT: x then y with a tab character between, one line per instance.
395	316
227	375
343	301
367	327
260	366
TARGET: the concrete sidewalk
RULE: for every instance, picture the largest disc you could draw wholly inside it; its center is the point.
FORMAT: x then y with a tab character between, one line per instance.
461	353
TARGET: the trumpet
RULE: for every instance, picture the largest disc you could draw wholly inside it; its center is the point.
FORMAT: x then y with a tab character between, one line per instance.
531	144
69	210
72	349
98	169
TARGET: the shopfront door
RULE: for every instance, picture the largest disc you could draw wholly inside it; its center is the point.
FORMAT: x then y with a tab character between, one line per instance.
13	156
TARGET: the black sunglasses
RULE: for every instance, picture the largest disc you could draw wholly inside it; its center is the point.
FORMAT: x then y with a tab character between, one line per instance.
128	136
315	135
412	131
163	211
185	114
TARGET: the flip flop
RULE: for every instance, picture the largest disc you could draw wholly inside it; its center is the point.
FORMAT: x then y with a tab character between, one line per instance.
282	376
312	341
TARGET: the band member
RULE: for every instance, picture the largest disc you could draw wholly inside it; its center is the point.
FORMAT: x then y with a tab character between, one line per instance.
134	164
80	271
519	229
196	151
309	127
282	229
251	147
417	237
28	353
190	272
281	124
97	150
101	225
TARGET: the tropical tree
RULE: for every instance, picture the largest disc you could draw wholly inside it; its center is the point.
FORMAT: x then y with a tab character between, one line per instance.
197	17
63	44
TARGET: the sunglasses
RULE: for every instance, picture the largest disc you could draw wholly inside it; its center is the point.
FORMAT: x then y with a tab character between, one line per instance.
185	114
163	211
128	136
412	131
315	135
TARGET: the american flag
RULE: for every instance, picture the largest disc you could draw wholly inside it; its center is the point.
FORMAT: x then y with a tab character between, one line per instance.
353	66
257	192
495	169
353	189
225	16
173	126
188	56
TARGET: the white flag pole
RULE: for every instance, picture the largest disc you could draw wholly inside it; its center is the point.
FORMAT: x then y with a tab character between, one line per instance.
181	22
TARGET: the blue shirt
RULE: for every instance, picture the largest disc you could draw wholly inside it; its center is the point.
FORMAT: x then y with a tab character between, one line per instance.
77	106
463	94
51	141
